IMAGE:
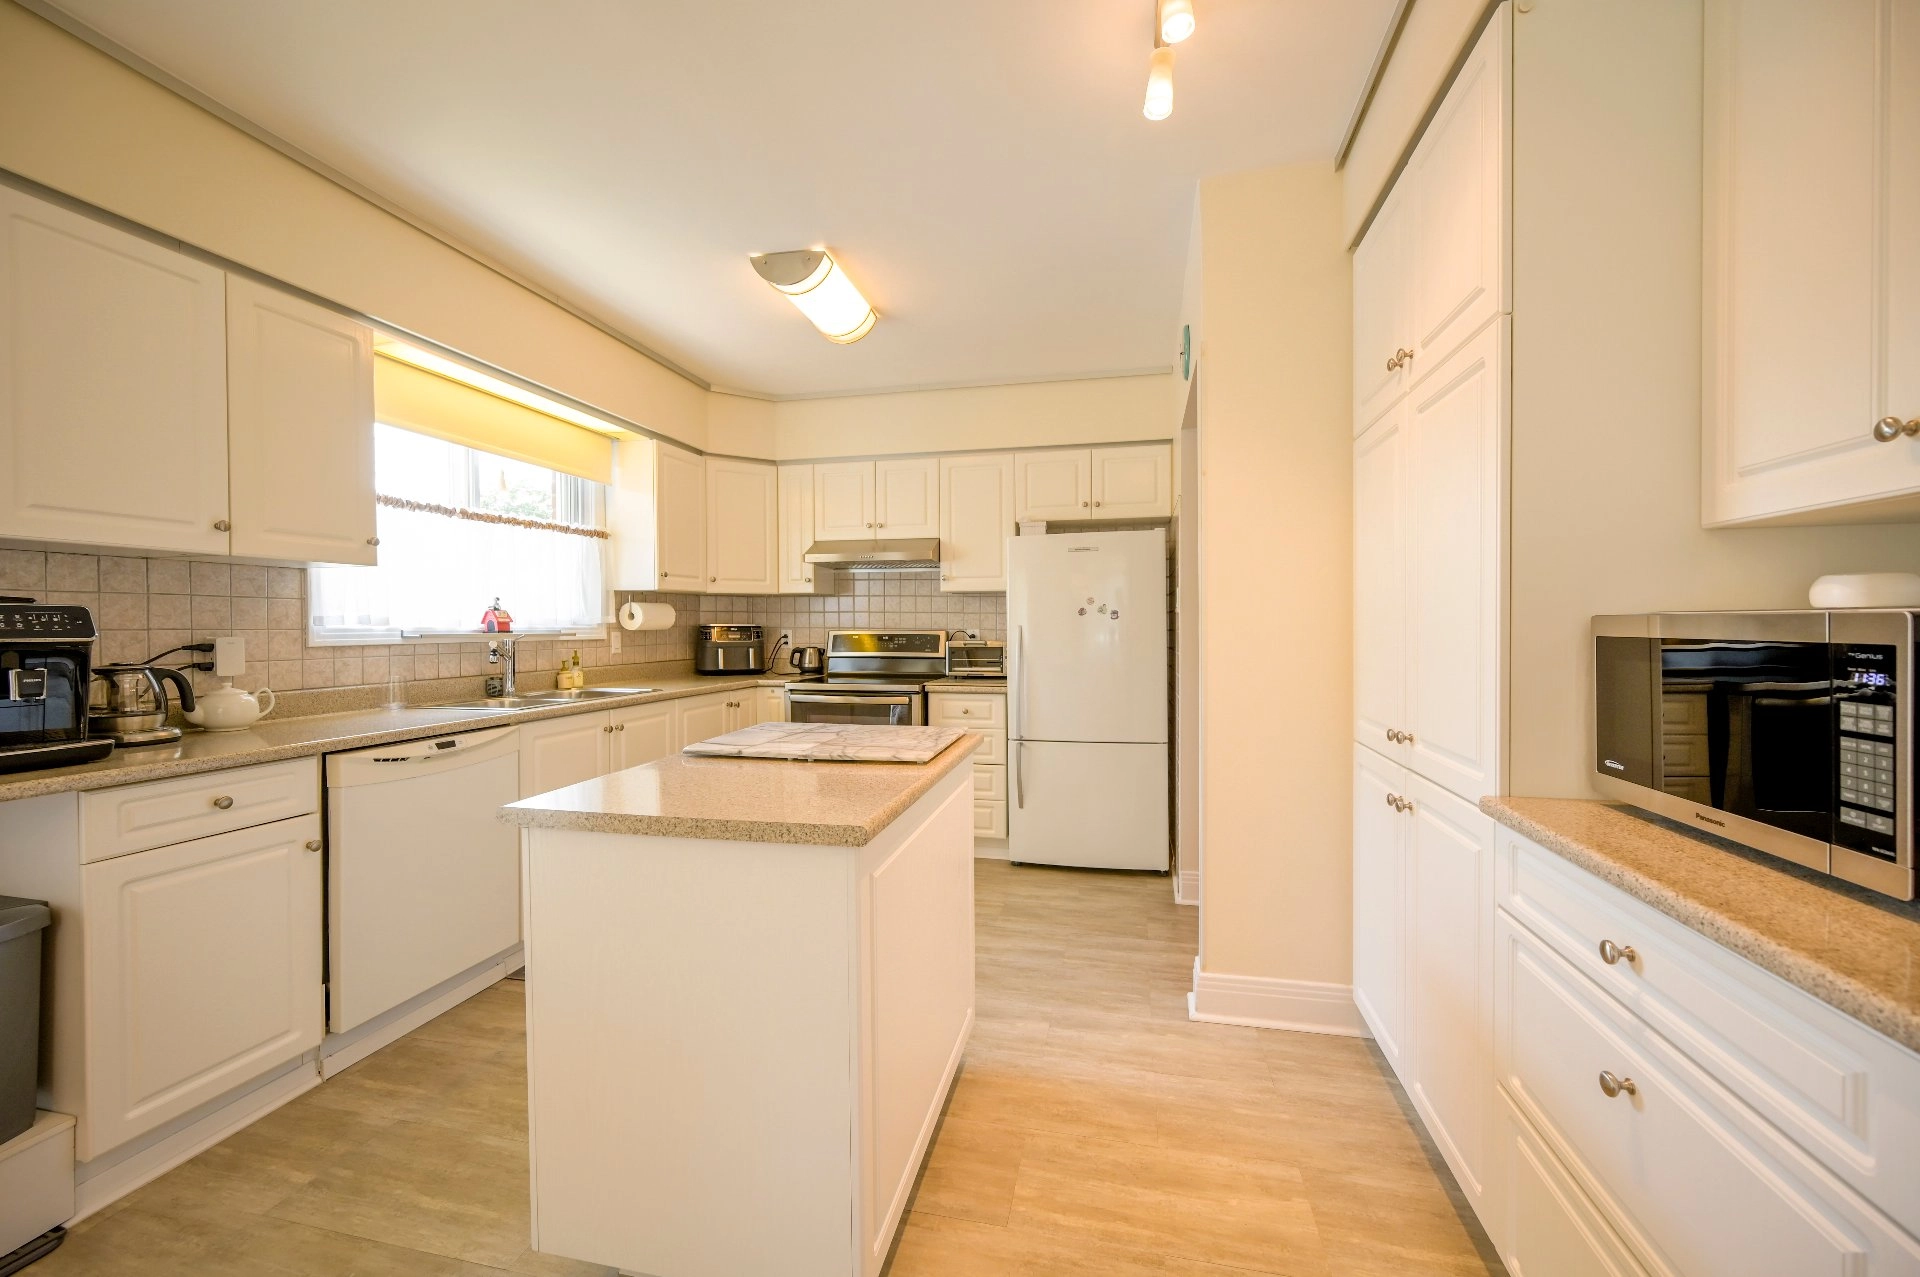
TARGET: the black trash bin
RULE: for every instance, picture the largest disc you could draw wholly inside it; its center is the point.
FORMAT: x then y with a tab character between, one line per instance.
21	924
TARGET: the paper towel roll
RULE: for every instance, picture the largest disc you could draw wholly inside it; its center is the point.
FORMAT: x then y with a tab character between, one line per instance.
646	616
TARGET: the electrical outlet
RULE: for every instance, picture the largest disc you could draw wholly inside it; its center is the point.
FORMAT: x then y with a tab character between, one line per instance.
613	640
229	657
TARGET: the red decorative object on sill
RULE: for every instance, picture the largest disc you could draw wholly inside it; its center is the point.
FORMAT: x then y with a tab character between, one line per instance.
496	619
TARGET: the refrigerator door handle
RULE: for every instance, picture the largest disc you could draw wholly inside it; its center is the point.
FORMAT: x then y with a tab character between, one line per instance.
1020	775
1019	715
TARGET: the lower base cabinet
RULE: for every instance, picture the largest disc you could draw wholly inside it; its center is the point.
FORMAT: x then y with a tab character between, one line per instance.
985	713
558	752
1552	1228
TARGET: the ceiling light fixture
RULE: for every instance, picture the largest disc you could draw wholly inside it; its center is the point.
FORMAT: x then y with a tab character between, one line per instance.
813	281
1176	20
1159	103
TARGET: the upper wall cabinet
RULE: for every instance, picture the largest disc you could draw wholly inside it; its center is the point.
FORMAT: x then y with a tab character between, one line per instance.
976	518
743	534
299	429
876	500
843	501
1123	481
657	510
1431	271
1811	384
113	388
797	576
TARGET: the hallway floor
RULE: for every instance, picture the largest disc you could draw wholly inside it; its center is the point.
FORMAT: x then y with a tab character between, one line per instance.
1094	1130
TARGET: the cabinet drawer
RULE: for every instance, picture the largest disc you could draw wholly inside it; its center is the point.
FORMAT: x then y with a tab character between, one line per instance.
1689	1174
1552	1227
989	819
1841	1091
114	822
989	783
1683	755
992	750
977	712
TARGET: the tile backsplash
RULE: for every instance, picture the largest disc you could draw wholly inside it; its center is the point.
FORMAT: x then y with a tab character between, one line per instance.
143	606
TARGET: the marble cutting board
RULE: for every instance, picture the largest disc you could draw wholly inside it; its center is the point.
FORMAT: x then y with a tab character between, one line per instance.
830	743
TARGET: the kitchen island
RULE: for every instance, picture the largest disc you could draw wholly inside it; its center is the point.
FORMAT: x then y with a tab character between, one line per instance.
750	983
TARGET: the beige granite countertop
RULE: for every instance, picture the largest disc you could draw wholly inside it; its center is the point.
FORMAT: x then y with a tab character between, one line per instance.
744	799
274	739
1857	951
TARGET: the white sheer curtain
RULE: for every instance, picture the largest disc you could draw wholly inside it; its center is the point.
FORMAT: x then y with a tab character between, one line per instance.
438	573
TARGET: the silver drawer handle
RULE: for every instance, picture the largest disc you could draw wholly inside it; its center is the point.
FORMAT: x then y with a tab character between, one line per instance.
1614	1087
223	802
1611	953
1887	429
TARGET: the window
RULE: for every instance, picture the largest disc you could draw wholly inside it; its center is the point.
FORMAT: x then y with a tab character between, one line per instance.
458	529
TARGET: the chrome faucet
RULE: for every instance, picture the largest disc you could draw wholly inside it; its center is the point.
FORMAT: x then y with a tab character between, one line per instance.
497	649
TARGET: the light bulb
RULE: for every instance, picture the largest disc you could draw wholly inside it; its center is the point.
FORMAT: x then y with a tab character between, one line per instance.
1176	20
1159	103
823	293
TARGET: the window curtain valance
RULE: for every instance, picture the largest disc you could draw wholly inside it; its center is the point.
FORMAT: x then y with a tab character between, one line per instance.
420	401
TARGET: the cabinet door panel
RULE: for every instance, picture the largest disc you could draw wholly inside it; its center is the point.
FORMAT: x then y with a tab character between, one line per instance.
1455	485
203	973
682	499
797	576
1552	1229
699	718
843	501
976	518
743	535
299	427
1133	482
562	751
1380	584
1380	319
1380	885
113	393
906	500
641	734
1053	485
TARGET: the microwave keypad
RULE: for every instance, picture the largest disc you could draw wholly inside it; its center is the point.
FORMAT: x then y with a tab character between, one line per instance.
1866	766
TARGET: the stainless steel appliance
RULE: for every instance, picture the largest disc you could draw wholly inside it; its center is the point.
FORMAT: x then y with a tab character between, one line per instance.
1786	731
130	704
730	649
46	666
808	660
872	677
976	658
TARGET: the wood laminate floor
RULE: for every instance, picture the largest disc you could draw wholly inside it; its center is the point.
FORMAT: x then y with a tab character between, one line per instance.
1093	1132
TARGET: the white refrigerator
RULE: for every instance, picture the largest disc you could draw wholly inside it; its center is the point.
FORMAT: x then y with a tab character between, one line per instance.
1087	699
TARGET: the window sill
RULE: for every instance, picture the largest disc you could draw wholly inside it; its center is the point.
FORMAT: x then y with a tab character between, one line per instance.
408	638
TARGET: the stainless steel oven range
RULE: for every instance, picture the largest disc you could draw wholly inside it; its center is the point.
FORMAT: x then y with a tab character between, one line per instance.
872	677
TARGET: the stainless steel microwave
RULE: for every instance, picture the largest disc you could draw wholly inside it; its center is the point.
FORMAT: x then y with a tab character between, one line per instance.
1788	732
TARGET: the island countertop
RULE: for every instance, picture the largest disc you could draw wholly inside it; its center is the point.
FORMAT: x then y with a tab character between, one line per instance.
744	799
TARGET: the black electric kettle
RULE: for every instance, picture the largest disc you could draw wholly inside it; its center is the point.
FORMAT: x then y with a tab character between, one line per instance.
808	660
129	703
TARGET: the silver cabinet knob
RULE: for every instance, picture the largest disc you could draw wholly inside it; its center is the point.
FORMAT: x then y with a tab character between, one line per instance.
1083	505
223	802
1611	953
606	729
1614	1087
221	525
1401	358
1097	503
373	540
1393	362
1887	429
712	579
313	844
619	727
809	580
869	525
1393	801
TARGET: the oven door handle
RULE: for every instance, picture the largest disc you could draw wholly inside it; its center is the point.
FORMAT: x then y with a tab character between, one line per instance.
811	698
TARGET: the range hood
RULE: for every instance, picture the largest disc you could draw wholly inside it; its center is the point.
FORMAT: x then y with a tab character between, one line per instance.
876	556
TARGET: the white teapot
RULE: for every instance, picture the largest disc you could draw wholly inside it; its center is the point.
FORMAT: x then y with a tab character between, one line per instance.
228	709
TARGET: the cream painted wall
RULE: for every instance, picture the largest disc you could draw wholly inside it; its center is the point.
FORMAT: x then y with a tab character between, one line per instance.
1275	570
75	120
740	427
1607	359
1436	33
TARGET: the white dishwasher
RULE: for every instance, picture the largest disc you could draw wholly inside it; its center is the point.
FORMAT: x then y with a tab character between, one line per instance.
423	877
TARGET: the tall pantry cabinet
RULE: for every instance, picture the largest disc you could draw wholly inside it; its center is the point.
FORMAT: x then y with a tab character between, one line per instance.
1432	334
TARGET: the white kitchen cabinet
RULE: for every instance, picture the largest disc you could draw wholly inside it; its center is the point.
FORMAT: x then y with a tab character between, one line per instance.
843	501
1382	312
984	713
1380	907
1055	484
976	518
772	703
906	498
1551	1225
1380	584
704	717
557	752
299	429
641	734
203	973
743	533
113	390
657	510
797	576
1812	261
1132	482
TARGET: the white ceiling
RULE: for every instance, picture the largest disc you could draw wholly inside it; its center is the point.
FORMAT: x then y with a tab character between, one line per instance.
980	166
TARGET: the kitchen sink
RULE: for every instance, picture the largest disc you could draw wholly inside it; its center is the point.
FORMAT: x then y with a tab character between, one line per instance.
498	702
586	693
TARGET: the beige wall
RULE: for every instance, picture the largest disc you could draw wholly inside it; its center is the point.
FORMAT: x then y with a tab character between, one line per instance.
77	121
1606	355
1275	577
1436	33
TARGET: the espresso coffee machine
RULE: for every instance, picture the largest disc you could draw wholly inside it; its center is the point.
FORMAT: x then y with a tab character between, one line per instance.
46	669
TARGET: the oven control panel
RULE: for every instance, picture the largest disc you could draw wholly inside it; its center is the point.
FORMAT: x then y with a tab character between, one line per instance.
1867	707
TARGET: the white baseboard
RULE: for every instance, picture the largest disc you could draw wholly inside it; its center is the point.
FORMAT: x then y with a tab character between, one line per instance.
101	1184
991	849
1304	1006
343	1050
1186	887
